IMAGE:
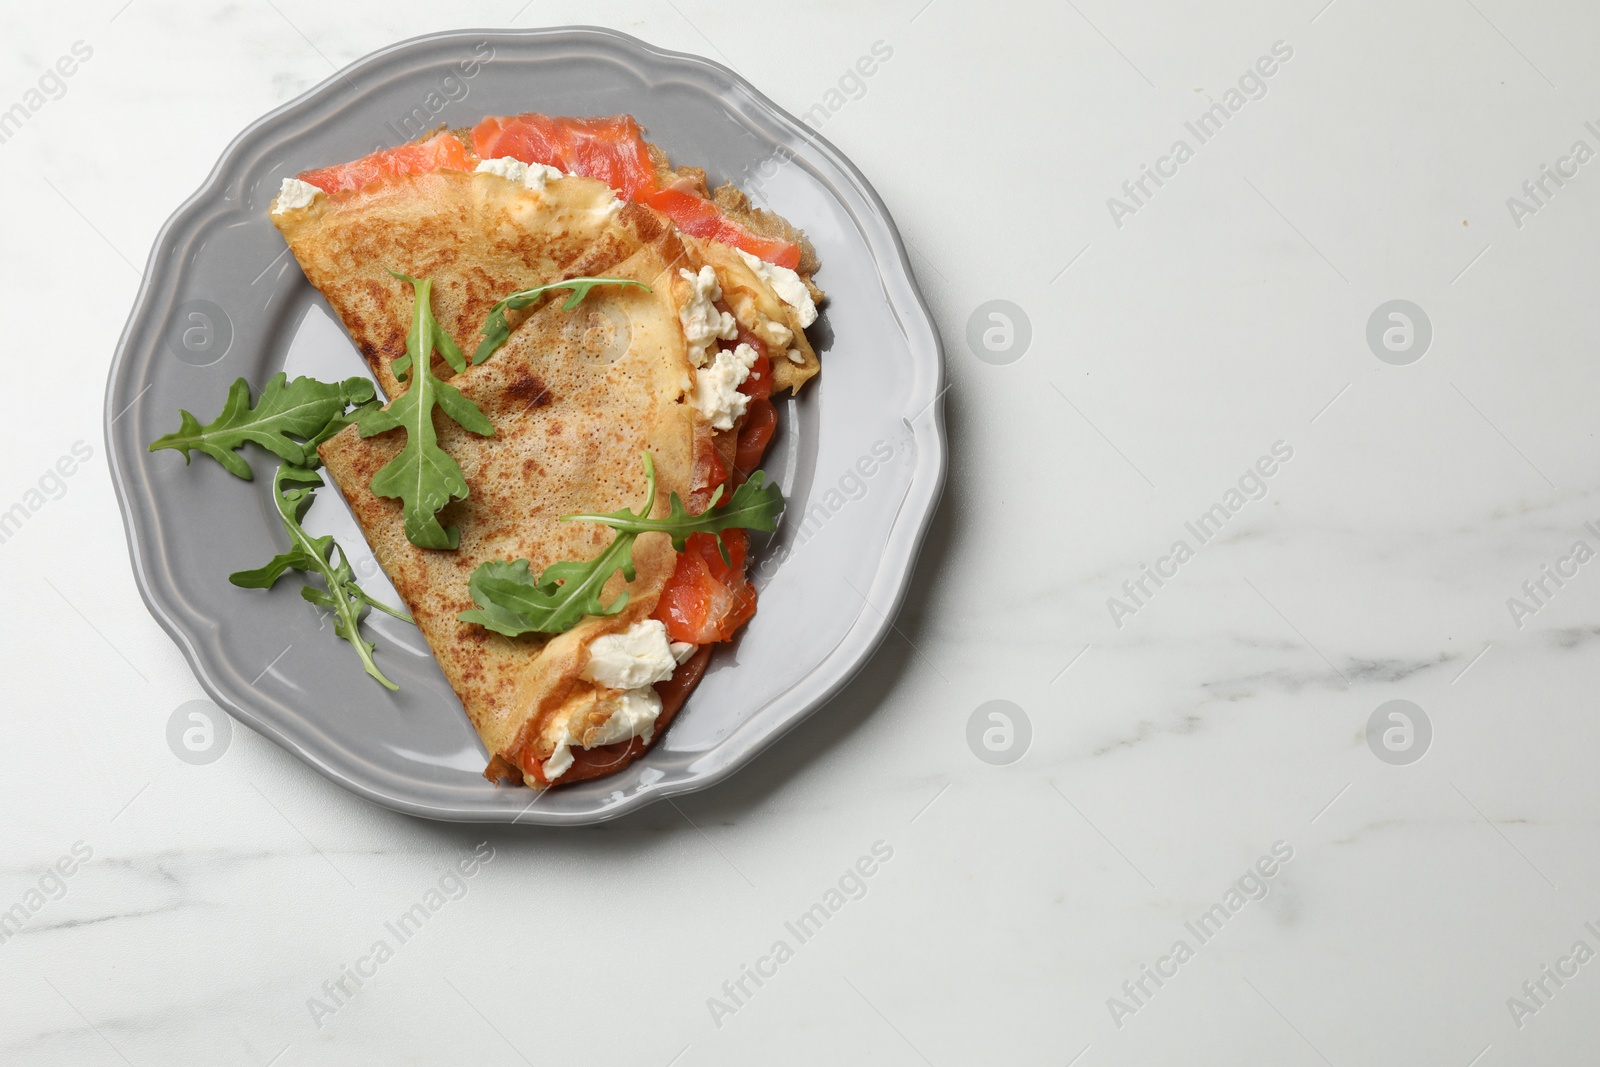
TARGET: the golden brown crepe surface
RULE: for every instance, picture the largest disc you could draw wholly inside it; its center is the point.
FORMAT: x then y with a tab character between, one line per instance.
575	398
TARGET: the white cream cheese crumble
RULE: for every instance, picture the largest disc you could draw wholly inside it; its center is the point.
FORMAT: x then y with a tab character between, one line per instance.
294	194
787	284
702	322
529	175
639	656
632	662
634	714
775	334
716	388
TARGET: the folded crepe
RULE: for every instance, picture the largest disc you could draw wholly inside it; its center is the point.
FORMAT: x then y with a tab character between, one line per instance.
573	410
511	205
478	236
575	397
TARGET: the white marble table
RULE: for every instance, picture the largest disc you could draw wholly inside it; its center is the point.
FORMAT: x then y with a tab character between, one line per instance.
1178	735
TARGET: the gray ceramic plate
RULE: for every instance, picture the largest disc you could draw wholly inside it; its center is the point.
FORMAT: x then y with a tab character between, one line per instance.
860	457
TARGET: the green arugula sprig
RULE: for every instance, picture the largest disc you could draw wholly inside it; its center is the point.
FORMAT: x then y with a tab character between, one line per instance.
304	408
512	601
495	328
292	489
753	506
422	475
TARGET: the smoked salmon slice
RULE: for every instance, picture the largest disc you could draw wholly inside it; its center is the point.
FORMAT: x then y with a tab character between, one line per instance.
699	217
614	150
610	149
442	151
707	600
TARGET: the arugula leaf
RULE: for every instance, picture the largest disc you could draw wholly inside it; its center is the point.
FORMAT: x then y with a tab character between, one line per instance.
512	601
423	476
304	408
335	424
447	347
495	328
754	506
292	489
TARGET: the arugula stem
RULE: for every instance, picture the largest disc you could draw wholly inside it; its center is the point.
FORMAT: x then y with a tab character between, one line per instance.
343	596
347	609
381	606
496	330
